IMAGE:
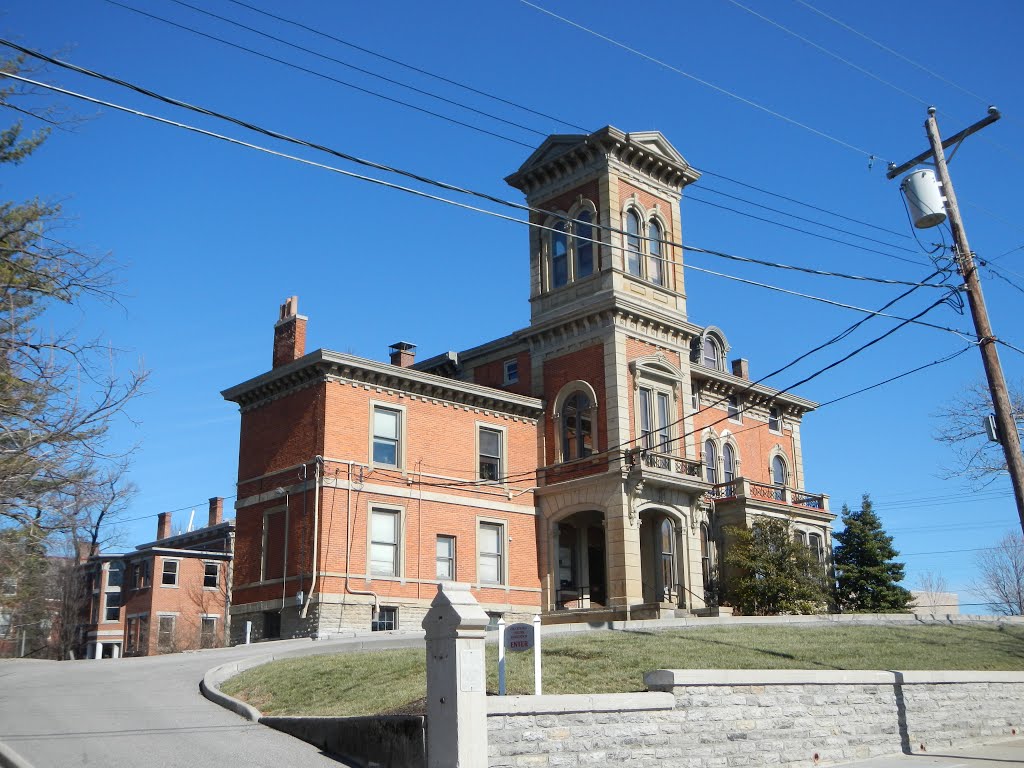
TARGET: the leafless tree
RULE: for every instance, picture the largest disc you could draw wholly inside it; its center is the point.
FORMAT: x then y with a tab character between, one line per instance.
1001	575
962	427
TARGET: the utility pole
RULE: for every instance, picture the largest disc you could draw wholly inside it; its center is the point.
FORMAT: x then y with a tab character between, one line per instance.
965	263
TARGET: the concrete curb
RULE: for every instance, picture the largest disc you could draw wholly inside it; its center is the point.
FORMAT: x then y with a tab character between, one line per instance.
11	759
209	686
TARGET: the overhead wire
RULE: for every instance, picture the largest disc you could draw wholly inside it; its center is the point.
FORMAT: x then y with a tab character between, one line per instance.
428	93
706	83
384	167
322	75
406	65
335	60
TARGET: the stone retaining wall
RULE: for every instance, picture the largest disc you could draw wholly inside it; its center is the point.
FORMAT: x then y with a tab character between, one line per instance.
750	718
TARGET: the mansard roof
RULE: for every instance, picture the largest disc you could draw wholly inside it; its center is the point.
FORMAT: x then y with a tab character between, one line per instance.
646	151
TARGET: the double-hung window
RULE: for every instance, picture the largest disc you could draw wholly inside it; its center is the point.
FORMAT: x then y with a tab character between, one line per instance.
208	632
559	255
211	575
165	633
170	574
445	558
711	461
655	419
774	419
733	408
112	612
385	538
511	371
491	544
491	463
387	436
632	243
577	427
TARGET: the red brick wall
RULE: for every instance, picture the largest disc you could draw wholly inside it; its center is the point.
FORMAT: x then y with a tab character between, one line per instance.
492	374
281	433
585	365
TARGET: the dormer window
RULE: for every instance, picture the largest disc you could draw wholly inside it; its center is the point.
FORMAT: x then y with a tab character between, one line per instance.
712	353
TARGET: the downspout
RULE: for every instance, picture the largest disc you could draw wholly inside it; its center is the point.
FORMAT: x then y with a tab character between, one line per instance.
348	554
317	463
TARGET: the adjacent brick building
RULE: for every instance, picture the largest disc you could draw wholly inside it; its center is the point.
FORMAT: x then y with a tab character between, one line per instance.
171	594
584	466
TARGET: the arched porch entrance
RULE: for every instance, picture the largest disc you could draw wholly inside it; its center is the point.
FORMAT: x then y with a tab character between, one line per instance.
580	572
662	569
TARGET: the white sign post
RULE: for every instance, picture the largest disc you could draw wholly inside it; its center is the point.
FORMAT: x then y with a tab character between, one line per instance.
517	638
536	655
501	657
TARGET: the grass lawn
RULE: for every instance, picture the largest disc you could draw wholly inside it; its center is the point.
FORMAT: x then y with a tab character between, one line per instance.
609	662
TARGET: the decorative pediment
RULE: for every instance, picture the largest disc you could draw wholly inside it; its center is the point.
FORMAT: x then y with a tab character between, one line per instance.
656	143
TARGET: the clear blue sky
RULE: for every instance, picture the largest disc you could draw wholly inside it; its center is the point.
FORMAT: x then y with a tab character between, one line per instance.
213	237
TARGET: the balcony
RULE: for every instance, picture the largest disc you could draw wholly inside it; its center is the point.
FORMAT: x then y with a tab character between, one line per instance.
742	488
675	465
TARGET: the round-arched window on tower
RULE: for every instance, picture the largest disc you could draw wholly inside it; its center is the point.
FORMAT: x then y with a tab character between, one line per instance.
584	245
710	462
577	428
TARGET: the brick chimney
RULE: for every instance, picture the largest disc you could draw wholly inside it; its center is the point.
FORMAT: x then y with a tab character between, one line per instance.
289	333
741	368
216	510
83	551
403	354
163	525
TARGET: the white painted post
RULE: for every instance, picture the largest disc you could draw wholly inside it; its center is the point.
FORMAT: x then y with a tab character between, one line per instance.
248	632
455	627
501	657
99	651
115	651
537	689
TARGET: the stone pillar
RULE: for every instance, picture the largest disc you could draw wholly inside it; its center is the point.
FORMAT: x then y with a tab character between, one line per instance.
99	651
456	679
115	651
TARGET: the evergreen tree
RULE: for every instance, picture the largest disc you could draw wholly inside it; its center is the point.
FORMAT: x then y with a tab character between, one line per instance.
771	573
867	576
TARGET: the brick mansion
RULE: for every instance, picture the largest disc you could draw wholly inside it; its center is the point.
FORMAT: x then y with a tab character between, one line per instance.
583	467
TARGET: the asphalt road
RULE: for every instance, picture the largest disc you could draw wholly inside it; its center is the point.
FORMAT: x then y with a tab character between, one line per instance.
145	712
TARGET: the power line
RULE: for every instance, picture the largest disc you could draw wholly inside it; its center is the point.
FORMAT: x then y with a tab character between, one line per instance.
545	115
322	75
410	67
804	231
418	90
706	172
335	60
804	219
424	92
829	52
391	169
706	83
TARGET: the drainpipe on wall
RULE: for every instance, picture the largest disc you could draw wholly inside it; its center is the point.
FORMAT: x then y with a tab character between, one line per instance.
317	464
348	554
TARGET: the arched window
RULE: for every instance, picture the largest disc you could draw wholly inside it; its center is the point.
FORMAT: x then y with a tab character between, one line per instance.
583	244
779	473
559	256
711	461
815	545
632	243
780	476
712	355
728	463
655	265
577	432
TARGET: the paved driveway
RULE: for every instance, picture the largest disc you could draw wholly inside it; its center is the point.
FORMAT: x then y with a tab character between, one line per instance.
146	712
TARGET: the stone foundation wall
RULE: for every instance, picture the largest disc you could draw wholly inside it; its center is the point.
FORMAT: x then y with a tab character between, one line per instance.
749	719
